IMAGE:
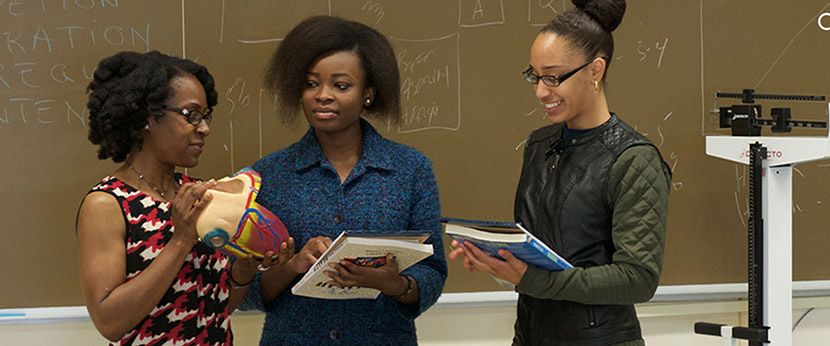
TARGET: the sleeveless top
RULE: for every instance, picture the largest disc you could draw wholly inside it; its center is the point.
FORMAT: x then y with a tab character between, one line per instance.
194	310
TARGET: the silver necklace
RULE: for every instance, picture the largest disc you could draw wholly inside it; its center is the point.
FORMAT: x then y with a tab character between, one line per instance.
155	188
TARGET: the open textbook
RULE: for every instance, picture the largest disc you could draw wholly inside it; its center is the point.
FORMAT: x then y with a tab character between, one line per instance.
492	236
367	249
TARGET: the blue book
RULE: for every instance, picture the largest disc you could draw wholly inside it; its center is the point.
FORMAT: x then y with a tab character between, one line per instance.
491	236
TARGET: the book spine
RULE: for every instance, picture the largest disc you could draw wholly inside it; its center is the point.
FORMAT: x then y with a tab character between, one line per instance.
544	251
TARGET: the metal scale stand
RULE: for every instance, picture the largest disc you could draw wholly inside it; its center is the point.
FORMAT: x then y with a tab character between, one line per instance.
770	193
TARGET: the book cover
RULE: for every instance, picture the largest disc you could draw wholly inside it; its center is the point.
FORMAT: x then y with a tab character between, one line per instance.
491	236
368	249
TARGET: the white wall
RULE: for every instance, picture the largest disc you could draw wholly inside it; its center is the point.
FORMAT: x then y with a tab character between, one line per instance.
455	324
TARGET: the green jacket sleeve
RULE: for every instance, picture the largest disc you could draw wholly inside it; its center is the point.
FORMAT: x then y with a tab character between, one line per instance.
638	191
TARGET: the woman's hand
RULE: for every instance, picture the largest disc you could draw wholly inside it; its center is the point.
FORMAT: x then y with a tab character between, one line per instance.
510	269
303	260
385	278
190	201
458	250
244	270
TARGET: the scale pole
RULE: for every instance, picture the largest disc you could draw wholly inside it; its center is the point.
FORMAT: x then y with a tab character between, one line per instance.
777	287
756	239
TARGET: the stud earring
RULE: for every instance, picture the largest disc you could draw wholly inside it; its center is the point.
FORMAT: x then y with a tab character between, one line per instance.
147	127
596	85
368	101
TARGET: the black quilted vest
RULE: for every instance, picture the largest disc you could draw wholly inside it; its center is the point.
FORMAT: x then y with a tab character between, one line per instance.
562	199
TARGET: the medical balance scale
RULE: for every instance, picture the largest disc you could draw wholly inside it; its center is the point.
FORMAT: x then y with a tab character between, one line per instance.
771	161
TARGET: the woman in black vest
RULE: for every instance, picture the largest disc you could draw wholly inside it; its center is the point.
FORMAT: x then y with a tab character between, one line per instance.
591	188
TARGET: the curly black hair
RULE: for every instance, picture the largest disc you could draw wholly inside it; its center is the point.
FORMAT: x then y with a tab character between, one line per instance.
319	35
588	26
126	89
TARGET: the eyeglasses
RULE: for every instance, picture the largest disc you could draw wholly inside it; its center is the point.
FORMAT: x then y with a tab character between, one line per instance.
194	117
553	81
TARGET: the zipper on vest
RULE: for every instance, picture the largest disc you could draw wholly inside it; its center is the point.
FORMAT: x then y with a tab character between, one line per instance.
592	318
556	157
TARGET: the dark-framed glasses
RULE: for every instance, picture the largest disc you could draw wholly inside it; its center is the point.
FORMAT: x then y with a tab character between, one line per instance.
553	81
193	116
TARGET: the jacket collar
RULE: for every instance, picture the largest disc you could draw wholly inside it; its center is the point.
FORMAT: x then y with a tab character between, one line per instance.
589	136
376	153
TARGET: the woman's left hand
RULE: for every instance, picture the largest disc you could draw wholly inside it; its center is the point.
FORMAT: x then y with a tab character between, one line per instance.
384	278
248	266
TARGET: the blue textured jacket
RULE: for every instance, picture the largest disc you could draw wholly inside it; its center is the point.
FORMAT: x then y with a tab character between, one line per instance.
391	188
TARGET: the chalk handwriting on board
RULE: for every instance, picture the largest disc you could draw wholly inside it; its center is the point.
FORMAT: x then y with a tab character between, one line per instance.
2	67
475	13
374	8
429	74
645	50
48	39
236	95
539	12
412	87
544	115
18	8
409	65
788	46
52	37
26	110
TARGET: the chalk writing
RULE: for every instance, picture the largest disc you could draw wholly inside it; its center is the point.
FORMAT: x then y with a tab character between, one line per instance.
419	114
375	8
539	12
32	75
23	71
43	39
429	84
236	95
2	67
409	65
644	50
411	87
478	11
677	185
474	13
58	73
19	8
27	110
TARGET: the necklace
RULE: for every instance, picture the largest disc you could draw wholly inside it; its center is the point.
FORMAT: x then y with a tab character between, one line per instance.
155	188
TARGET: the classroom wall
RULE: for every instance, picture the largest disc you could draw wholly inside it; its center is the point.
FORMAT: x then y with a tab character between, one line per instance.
466	107
662	323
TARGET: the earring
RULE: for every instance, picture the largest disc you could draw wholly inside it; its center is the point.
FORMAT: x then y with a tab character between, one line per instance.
596	85
147	127
368	101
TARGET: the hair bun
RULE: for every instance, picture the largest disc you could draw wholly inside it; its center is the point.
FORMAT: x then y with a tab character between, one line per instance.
116	66
608	13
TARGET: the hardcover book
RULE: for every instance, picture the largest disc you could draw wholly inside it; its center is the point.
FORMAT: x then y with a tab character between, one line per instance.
490	237
366	249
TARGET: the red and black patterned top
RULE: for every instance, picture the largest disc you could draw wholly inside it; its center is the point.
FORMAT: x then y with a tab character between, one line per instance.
194	310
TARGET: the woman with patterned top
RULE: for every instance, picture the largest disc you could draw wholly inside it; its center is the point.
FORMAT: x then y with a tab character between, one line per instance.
343	175
145	281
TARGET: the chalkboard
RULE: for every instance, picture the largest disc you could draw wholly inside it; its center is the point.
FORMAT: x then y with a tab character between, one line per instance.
465	106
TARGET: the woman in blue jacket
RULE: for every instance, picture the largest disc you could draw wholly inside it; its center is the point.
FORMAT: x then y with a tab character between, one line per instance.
343	175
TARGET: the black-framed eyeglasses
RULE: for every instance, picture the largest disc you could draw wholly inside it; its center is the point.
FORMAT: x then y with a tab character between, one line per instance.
553	81
194	117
